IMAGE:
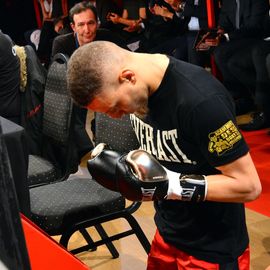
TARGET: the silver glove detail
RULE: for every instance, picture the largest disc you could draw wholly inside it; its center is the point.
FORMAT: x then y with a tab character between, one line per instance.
146	167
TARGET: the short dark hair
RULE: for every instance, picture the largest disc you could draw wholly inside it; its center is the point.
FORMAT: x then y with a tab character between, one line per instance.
90	70
80	7
83	77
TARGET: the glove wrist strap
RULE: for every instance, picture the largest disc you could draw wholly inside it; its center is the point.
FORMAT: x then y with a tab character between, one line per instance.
194	188
174	189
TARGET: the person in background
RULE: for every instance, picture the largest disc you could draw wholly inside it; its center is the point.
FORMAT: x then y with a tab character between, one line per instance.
241	25
258	80
161	33
84	23
54	22
51	29
131	22
250	68
10	95
194	15
104	8
202	170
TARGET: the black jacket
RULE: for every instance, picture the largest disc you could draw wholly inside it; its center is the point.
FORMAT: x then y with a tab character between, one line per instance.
66	44
33	100
253	14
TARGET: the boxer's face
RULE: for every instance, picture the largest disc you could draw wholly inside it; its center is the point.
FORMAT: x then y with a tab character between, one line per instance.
117	103
85	26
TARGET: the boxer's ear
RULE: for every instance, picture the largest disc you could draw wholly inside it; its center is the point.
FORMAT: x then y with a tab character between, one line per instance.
127	75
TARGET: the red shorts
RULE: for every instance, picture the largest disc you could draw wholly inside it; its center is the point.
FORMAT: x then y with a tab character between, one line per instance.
163	256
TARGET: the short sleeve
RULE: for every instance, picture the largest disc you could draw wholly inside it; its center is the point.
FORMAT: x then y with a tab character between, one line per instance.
212	126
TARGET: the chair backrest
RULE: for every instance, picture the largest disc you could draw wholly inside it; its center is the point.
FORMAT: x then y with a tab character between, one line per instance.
58	127
118	133
57	102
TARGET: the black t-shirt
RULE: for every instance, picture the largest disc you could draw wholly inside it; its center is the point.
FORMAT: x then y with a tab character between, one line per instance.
191	129
10	99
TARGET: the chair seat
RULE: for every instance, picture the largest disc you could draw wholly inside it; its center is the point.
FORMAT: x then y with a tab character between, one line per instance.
41	171
67	202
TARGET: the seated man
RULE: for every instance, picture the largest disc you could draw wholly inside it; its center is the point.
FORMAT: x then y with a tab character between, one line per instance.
10	96
84	22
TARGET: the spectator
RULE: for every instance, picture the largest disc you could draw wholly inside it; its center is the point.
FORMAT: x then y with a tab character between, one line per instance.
54	22
255	76
161	33
104	8
194	13
240	30
55	9
251	70
84	22
51	29
131	21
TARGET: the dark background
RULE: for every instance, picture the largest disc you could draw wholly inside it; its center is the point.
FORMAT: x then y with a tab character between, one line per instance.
17	17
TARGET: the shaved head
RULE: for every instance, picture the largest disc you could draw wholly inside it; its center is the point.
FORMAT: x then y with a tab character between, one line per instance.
92	67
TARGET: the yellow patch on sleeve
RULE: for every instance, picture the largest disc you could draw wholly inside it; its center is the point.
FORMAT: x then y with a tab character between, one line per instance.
223	138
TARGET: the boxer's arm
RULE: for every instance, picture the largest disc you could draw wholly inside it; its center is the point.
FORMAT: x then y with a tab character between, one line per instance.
138	176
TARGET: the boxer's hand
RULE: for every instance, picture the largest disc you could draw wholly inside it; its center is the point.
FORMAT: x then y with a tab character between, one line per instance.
142	178
102	166
138	176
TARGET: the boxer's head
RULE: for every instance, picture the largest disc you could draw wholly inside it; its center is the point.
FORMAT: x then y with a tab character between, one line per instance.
101	77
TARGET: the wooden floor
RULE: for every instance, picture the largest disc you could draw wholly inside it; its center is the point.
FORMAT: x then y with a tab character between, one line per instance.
133	257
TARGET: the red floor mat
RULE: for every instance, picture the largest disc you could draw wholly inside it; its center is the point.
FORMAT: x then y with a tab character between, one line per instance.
259	143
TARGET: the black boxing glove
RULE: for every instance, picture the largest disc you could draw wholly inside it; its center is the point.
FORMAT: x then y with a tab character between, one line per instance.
142	178
102	166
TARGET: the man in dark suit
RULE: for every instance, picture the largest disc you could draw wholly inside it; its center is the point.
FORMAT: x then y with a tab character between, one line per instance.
240	32
251	69
84	22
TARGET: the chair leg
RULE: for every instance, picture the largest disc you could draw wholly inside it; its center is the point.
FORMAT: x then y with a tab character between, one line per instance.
138	231
87	238
66	236
109	245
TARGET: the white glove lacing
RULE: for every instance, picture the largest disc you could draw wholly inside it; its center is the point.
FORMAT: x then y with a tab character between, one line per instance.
174	188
